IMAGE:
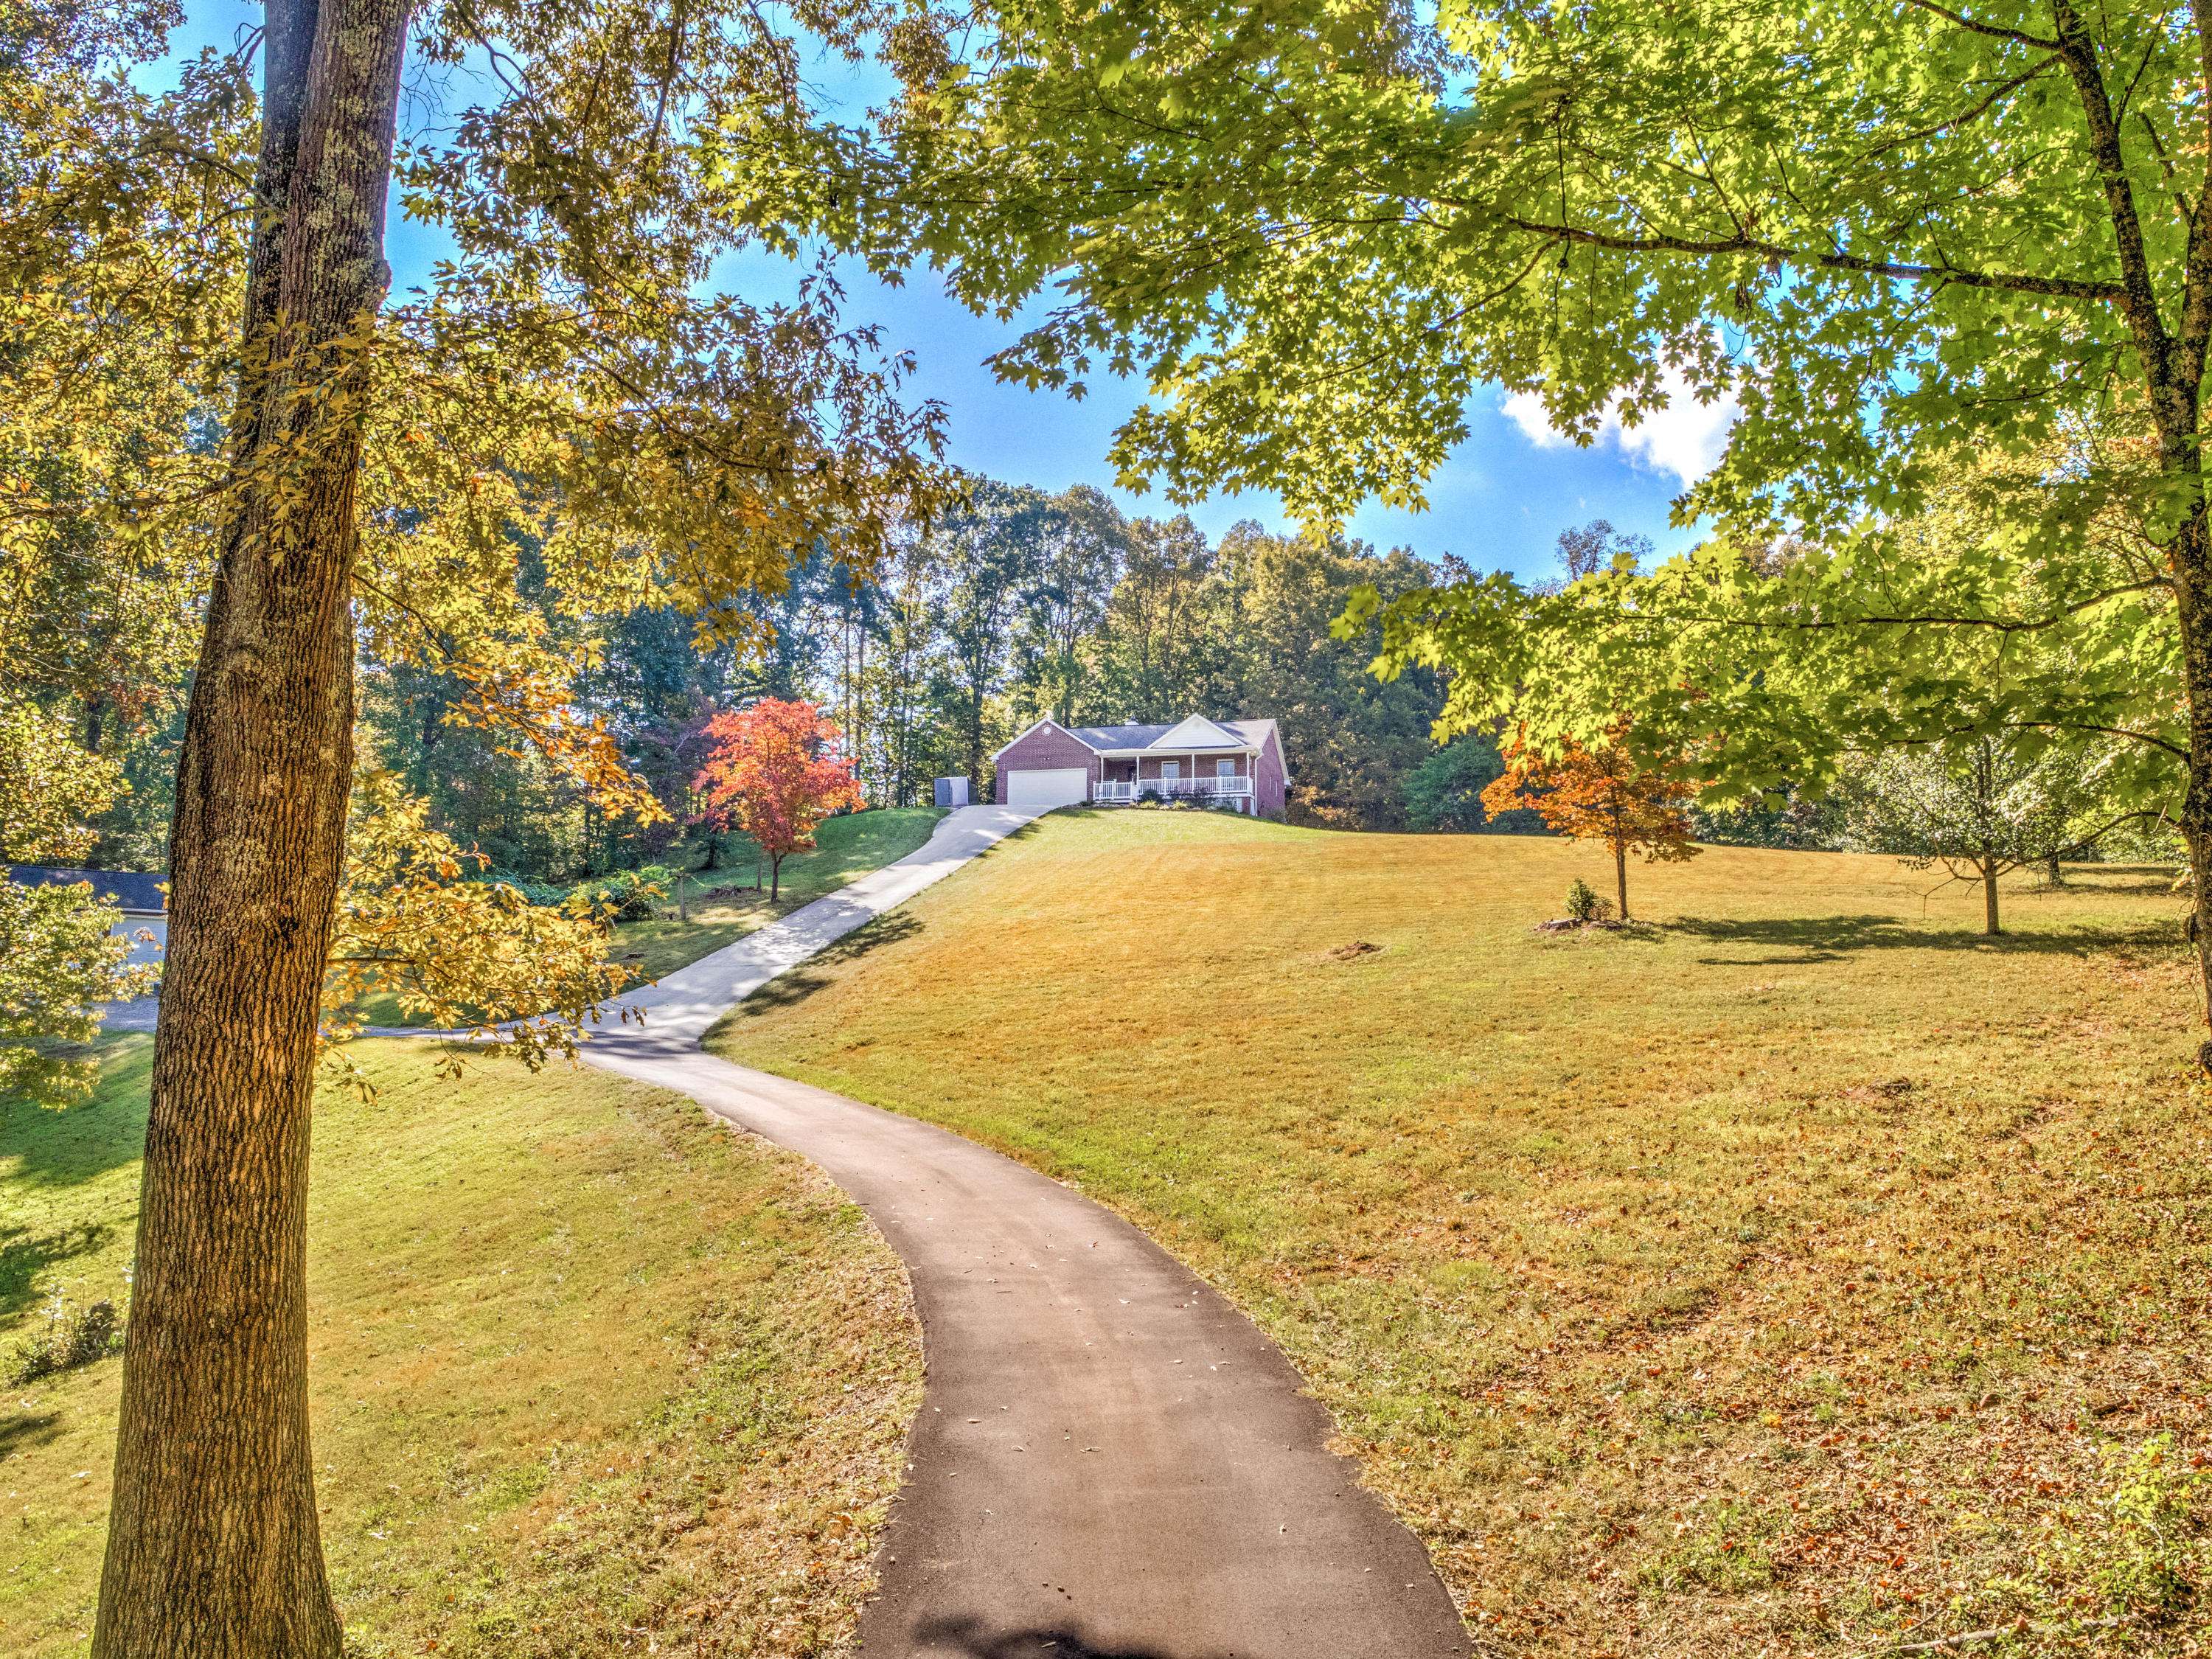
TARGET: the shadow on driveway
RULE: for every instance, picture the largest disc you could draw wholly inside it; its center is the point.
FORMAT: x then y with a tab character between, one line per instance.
972	1639
795	985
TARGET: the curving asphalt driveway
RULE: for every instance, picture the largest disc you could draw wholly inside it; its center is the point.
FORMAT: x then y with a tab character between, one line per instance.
1111	1461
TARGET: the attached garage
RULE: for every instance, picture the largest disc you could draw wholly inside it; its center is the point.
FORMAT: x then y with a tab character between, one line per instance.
1043	787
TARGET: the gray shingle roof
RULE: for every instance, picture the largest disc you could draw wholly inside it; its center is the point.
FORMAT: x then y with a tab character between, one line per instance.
129	889
1120	737
1253	731
1143	737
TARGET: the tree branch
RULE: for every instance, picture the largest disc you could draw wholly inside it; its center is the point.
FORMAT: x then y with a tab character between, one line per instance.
1994	31
1972	112
2145	737
1813	625
2197	257
2064	288
2139	303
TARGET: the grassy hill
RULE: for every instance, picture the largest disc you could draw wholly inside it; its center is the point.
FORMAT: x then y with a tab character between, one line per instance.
725	906
590	1374
1780	1278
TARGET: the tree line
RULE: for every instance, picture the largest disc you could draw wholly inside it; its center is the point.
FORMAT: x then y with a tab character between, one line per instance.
1014	605
1018	605
1021	604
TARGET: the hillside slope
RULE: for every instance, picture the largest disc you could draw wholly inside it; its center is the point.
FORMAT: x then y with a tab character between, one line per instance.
590	1374
1781	1276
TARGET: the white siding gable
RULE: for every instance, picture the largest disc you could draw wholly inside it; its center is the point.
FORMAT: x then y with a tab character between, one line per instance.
1197	733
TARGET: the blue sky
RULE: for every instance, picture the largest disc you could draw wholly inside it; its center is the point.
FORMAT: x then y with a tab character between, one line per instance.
1500	502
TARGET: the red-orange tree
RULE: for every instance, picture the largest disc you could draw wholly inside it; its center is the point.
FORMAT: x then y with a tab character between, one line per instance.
774	772
1598	794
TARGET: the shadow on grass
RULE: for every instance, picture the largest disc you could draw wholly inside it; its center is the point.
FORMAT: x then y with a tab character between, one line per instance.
2098	880
42	1148
1034	826
23	1257
795	985
1834	939
21	1432
1634	931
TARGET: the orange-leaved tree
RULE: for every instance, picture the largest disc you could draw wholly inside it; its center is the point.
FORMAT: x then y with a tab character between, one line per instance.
774	771
1598	794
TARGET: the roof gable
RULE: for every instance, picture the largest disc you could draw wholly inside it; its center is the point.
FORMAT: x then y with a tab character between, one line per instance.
1193	733
1197	733
1035	725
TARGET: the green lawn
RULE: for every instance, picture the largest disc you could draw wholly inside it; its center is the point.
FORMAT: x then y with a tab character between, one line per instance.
722	906
590	1374
722	911
1772	1281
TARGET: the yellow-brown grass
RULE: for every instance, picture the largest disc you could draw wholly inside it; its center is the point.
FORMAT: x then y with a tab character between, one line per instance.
1785	1278
590	1374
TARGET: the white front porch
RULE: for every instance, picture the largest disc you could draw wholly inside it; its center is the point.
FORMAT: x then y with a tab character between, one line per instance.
1126	791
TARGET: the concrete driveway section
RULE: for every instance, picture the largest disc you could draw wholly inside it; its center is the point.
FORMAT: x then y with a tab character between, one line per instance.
671	1014
1111	1461
678	1009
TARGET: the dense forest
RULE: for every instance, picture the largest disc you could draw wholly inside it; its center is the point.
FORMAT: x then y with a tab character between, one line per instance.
1016	604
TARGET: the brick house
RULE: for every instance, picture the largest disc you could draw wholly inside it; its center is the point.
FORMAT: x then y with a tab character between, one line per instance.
1237	763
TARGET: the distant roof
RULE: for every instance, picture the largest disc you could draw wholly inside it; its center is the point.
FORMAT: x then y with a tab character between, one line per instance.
1120	737
1143	737
130	890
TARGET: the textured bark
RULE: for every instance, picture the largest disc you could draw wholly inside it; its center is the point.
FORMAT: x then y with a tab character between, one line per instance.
213	1547
2173	359
1620	877
1989	897
2192	571
2189	558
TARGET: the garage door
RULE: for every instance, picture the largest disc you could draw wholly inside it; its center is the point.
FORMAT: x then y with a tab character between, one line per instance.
1062	786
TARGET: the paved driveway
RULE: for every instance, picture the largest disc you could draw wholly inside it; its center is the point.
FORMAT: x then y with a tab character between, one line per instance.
1111	1462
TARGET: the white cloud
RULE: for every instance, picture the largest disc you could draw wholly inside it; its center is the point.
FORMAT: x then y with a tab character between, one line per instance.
1526	411
1686	438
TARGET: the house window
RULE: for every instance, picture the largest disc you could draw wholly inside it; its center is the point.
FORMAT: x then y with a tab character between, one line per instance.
1225	768
1170	770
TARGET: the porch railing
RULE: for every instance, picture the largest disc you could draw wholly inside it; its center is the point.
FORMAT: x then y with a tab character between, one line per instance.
1122	791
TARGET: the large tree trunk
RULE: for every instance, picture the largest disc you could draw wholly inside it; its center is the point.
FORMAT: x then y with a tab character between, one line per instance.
1989	897
1620	877
2191	556
2173	365
213	1548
